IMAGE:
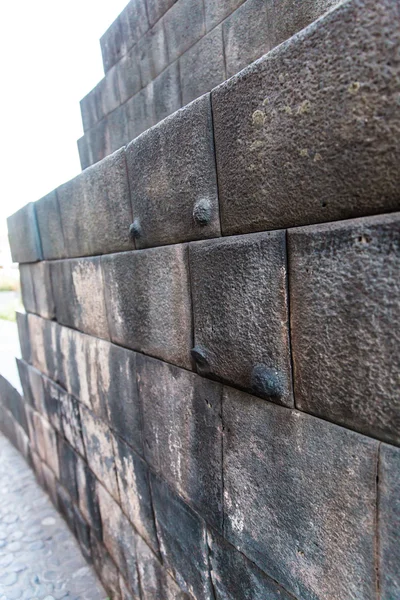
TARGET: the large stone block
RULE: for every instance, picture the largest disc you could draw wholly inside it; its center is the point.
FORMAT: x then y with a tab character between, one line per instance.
182	431
68	459
156	9
156	581
23	235
128	73
134	22
117	126
389	520
184	25
345	317
99	446
97	144
152	53
24	336
66	507
49	447
27	288
217	11
87	495
50	228
44	335
293	153
112	45
82	533
300	494
52	395
78	290
36	289
134	488
104	566
148	302
166	93
140	112
173	179
183	543
89	111
85	153
119	539
239	288
202	66
71	421
237	578
95	209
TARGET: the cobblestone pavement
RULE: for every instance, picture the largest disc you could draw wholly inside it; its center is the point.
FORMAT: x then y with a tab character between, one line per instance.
39	557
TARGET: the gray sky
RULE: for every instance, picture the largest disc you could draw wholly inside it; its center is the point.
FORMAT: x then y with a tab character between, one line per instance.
50	58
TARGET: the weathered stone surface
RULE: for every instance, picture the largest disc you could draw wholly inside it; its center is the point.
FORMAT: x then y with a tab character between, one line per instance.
171	170
156	582
117	125
148	302
202	66
112	45
23	334
140	112
27	289
128	73
125	592
23	235
85	154
217	11
99	450
241	314
345	317
134	22
66	508
156	9
68	459
237	578
43	335
87	494
13	401
182	432
104	566
119	539
79	295
95	209
50	483
166	92
71	421
184	25
295	488
52	394
89	110
49	447
82	532
183	543
388	520
50	228
97	143
281	145
134	488
36	289
152	53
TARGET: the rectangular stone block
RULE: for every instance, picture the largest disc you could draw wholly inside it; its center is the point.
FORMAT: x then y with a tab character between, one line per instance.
183	543
152	53
166	93
88	106
36	289
112	45
119	539
23	335
66	507
85	154
50	483
234	576
134	22
140	112
128	74
43	335
97	142
156	9
217	11
389	520
67	459
78	288
27	289
50	228
184	25
240	307
202	66
95	209
173	179
49	441
134	488
23	235
52	394
117	125
295	488
88	497
104	566
277	164
157	583
98	441
148	302
345	314
182	431
71	422
82	533
107	92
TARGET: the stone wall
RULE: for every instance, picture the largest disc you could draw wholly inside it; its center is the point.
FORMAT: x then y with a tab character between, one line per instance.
210	352
161	54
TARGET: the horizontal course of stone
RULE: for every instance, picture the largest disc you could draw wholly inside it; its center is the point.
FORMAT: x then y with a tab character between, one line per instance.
161	54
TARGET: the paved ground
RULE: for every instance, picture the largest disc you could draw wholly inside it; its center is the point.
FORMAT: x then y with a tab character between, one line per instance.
39	557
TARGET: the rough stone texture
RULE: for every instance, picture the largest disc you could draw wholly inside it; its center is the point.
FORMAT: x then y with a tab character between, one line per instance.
280	146
99	448
89	110
172	168
23	235
166	93
388	520
71	422
217	11
237	578
105	566
48	446
134	488
152	53
182	432
50	227
36	289
240	312
148	302
112	45
128	73
52	396
156	9
202	67
87	494
134	22
140	112
184	25
27	288
117	124
43	336
345	317
85	153
95	209
107	91
183	544
79	295
23	334
68	459
156	582
312	527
